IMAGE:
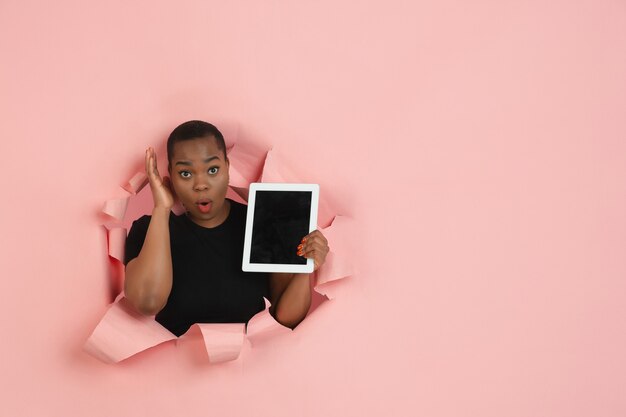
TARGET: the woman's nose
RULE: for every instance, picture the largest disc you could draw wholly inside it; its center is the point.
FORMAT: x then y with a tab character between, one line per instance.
201	184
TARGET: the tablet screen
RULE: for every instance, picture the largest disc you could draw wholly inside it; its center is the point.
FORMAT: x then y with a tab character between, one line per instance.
279	215
281	220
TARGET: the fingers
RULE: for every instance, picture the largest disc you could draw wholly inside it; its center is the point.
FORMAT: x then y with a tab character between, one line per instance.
151	167
314	246
309	250
315	235
162	190
318	256
313	239
148	168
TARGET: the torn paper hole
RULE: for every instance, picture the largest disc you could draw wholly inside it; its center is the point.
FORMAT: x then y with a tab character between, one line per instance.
122	332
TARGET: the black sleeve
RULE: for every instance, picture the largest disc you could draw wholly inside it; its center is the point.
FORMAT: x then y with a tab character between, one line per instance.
266	288
135	239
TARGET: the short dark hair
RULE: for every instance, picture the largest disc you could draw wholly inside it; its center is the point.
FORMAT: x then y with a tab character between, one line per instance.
194	129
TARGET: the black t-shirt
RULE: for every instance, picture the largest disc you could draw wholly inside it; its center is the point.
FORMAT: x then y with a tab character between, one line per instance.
208	283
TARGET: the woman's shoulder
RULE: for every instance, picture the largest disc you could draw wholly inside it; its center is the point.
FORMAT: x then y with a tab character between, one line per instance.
237	209
144	221
237	206
236	215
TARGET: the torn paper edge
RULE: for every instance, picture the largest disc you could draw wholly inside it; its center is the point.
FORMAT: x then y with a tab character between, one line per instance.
123	332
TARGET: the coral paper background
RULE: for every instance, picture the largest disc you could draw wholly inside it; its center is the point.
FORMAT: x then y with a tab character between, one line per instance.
480	145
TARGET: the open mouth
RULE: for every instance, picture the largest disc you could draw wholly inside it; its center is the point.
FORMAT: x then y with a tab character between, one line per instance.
204	205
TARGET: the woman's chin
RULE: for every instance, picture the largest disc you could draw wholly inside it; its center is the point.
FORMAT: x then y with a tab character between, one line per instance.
196	214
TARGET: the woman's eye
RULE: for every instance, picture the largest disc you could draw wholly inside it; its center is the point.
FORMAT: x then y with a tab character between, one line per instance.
213	170
185	174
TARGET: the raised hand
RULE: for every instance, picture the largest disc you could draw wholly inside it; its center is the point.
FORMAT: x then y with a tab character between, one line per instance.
161	187
314	245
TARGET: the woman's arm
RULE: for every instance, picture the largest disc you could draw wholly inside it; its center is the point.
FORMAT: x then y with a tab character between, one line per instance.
148	279
291	293
291	298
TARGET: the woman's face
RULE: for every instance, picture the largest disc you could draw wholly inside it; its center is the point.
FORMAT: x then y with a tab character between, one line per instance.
199	174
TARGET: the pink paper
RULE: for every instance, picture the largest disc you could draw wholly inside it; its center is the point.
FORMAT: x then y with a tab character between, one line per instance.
116	242
263	326
136	183
123	332
276	169
241	192
246	163
337	264
116	208
223	341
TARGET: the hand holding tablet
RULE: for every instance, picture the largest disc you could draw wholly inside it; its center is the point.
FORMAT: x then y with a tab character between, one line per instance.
279	216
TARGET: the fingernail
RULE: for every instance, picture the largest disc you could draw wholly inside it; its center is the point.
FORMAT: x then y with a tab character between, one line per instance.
299	253
303	239
300	246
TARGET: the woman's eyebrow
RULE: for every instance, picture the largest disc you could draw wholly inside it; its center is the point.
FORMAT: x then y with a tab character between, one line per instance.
206	161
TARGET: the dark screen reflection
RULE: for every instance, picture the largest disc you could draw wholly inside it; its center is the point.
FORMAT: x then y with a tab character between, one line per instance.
281	220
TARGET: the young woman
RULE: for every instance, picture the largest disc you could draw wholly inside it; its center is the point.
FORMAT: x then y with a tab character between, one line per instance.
186	269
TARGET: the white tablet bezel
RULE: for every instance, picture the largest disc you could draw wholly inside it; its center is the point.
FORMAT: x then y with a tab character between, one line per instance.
247	266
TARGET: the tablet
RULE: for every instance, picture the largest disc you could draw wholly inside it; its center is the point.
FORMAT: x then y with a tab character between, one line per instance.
279	216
